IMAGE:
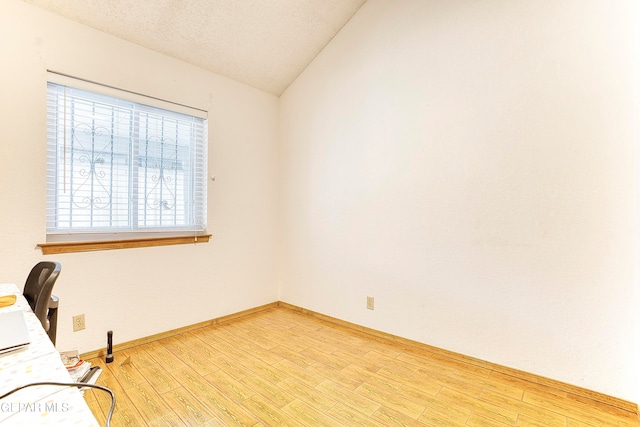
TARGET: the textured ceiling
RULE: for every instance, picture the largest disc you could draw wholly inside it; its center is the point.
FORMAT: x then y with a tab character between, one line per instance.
263	43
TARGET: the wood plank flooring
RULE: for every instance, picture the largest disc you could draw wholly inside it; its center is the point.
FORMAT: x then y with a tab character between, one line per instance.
279	367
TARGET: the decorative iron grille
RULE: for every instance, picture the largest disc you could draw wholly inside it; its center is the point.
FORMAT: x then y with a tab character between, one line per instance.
117	165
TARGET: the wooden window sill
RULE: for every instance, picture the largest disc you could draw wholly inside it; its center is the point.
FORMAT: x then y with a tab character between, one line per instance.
66	247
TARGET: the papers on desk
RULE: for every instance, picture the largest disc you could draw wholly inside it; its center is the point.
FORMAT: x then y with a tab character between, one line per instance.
70	359
79	370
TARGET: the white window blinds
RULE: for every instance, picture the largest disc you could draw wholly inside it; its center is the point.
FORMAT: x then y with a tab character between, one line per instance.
120	166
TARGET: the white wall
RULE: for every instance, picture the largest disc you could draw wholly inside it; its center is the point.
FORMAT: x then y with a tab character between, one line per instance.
137	292
470	165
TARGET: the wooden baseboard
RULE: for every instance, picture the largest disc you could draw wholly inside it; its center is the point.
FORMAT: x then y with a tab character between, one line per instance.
128	344
579	392
521	375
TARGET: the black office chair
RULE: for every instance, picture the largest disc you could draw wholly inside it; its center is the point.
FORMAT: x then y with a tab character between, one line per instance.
37	291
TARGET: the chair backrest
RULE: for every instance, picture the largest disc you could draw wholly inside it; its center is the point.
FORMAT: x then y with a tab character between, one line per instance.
38	288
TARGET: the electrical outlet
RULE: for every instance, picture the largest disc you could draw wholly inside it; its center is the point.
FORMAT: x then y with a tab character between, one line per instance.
370	303
78	322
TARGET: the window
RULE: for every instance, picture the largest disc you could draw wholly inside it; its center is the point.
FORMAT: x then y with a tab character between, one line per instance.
118	168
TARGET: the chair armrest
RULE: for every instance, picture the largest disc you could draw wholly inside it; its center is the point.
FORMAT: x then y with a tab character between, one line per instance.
53	302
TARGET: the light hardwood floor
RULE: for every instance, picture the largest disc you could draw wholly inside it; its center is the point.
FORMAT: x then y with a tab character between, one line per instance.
280	367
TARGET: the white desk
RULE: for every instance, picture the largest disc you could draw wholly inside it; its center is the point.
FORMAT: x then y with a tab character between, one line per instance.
40	361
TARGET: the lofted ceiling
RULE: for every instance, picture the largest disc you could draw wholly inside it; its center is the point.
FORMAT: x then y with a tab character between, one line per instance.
263	43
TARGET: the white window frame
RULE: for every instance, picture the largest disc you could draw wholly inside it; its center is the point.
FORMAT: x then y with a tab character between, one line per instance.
181	173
